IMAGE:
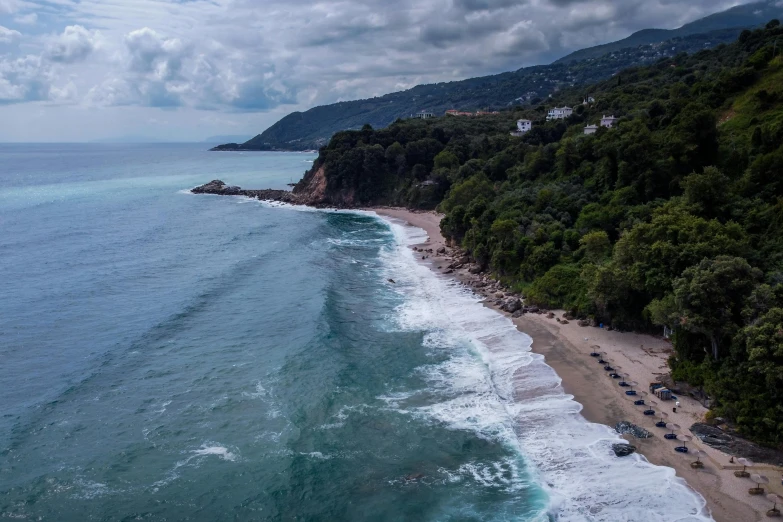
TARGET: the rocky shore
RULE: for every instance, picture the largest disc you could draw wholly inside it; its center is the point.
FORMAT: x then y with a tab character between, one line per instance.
311	191
221	189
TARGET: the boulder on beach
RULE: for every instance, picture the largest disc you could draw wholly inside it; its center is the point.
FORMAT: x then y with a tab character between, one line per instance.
624	427
512	305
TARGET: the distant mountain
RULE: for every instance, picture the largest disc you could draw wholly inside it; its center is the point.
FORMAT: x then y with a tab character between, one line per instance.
312	129
228	138
737	18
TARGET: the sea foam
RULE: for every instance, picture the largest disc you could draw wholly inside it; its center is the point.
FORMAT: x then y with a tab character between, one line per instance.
493	385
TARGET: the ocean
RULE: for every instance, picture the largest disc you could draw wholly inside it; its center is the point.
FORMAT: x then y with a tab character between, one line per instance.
165	356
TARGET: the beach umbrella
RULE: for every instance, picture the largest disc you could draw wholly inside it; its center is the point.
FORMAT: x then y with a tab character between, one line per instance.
624	381
775	499
651	409
759	480
601	356
699	455
638	397
632	392
746	463
685	439
662	423
595	352
673	427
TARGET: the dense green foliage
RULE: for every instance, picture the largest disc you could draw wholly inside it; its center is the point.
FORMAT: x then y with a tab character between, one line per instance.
673	218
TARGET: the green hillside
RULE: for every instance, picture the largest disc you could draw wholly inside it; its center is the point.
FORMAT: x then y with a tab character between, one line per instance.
313	128
731	21
673	218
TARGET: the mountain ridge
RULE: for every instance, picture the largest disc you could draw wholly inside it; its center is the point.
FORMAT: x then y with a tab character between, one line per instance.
737	17
313	128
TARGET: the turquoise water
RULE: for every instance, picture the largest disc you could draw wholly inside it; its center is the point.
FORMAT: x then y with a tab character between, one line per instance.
165	356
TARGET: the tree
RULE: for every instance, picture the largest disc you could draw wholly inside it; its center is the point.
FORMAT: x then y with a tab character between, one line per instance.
654	254
707	191
710	297
446	160
596	246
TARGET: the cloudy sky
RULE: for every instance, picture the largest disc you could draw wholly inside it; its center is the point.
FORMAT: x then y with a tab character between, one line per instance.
79	70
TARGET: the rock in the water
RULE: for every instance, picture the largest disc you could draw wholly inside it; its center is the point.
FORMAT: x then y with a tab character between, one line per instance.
219	188
623	450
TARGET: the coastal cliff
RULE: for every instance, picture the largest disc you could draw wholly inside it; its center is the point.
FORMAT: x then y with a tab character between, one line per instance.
311	191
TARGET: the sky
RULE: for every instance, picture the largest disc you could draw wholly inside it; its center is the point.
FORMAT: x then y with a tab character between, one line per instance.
184	70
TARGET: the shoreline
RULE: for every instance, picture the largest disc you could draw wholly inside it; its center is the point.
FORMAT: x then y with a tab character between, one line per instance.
566	348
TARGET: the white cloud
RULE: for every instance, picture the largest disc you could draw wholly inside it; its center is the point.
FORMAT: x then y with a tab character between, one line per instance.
8	35
24	79
75	44
64	94
8	6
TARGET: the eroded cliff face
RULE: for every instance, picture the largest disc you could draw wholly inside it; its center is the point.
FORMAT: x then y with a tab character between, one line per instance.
313	190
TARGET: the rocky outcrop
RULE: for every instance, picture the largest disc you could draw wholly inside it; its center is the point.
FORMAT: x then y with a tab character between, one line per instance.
221	189
624	427
623	450
734	445
312	191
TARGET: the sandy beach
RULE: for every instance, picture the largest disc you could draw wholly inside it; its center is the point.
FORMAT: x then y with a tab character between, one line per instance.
566	348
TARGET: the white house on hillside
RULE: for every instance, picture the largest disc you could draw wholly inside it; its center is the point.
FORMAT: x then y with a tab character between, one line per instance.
423	115
559	113
523	127
591	129
608	121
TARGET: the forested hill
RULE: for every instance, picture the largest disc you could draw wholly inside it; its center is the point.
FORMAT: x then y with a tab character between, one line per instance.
672	218
737	18
313	128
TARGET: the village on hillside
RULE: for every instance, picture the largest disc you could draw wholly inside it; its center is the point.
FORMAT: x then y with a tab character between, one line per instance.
523	125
